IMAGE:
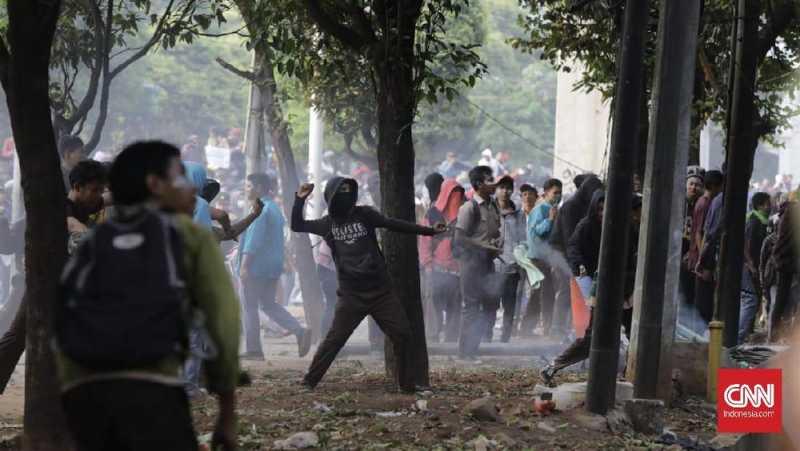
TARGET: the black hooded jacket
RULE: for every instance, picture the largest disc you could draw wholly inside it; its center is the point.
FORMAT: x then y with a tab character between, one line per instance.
573	210
583	248
352	239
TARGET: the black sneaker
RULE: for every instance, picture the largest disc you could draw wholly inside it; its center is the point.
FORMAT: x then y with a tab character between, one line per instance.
304	342
547	375
306	385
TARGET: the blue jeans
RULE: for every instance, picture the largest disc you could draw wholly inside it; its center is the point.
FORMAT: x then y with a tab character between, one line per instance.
749	306
194	364
260	292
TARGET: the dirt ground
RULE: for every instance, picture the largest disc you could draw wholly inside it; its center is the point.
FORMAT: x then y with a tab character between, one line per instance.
354	408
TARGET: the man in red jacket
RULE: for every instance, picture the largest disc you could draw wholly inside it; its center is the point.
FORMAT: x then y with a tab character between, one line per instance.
436	257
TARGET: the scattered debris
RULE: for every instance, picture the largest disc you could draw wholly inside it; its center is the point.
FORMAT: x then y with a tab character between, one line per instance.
301	440
725	441
591	421
484	409
421	405
388	414
322	407
483	444
544	426
618	422
646	415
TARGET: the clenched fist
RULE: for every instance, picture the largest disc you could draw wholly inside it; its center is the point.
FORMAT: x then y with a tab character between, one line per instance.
305	190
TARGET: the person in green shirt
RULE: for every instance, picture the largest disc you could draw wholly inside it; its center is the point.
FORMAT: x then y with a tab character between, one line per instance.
146	407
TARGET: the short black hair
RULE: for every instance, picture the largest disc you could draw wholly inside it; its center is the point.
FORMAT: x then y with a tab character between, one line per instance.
87	172
263	180
478	174
714	179
551	183
527	187
759	199
128	177
69	144
578	180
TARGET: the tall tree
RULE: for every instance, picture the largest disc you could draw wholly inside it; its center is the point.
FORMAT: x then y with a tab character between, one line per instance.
24	74
400	40
267	30
589	33
99	39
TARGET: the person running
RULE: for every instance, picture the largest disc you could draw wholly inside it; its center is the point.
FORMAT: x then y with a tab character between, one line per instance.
120	365
478	243
364	282
260	262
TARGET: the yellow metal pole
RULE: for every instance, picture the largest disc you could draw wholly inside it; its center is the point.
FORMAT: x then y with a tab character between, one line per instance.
714	356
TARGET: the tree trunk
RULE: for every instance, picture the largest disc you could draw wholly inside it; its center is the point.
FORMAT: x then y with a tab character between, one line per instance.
26	82
742	143
396	168
300	242
254	130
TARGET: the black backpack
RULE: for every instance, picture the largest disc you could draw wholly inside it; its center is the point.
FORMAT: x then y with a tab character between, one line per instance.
123	298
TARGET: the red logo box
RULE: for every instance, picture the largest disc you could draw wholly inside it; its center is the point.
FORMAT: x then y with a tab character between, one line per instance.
749	400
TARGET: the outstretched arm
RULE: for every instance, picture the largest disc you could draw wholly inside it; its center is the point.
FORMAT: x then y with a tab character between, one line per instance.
377	220
299	223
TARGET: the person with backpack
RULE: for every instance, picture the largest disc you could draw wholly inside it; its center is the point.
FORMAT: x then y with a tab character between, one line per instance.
260	262
129	293
477	244
436	258
364	283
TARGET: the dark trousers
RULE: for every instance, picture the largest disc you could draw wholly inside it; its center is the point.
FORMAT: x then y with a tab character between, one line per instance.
351	308
509	300
129	415
12	343
782	306
329	284
540	304
578	351
446	294
562	304
476	276
704	298
261	292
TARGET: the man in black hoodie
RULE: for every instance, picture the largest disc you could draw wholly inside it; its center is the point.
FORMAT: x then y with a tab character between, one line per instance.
570	213
583	254
364	283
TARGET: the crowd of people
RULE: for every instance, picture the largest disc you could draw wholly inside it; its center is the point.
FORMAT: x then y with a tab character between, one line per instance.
177	243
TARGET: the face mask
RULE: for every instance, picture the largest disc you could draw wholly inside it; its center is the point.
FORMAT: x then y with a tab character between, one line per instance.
555	200
342	203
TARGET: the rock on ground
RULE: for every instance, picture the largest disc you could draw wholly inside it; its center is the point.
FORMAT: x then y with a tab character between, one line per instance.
484	409
646	415
301	440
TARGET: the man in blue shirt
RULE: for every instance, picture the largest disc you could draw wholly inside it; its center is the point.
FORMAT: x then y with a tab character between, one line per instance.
540	226
260	264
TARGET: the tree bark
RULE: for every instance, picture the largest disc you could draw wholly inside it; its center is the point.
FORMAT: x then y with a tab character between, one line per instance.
742	141
396	168
26	82
300	242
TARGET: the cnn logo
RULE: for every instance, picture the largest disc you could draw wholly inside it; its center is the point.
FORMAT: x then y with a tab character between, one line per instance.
749	400
742	395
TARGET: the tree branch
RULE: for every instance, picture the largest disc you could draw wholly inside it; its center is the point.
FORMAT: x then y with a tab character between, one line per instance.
5	60
328	24
777	23
370	161
157	34
246	74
